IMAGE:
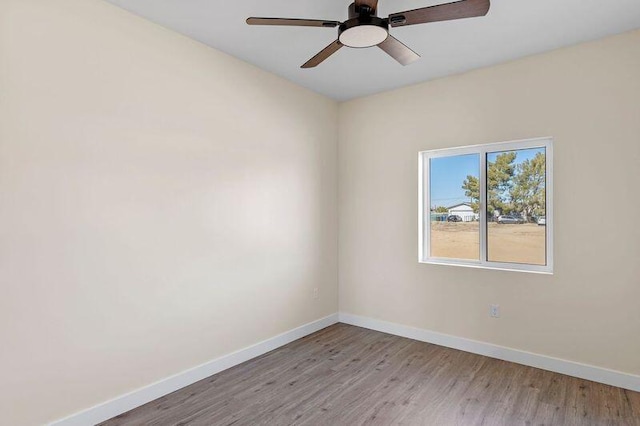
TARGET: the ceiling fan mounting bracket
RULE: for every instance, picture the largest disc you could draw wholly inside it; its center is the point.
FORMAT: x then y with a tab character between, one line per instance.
366	11
360	11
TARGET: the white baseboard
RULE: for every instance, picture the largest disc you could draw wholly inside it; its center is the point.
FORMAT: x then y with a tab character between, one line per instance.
141	396
570	368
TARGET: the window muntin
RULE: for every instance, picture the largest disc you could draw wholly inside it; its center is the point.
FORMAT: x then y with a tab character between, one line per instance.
514	181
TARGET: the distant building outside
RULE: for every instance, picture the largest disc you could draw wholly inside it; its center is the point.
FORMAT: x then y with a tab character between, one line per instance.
465	211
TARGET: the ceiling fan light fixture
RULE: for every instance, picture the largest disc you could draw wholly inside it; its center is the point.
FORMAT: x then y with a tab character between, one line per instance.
363	36
363	31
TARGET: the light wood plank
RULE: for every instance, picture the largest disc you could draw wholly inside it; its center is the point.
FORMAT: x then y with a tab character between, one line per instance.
346	375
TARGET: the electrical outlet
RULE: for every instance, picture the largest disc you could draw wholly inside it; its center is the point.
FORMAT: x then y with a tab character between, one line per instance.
315	293
494	311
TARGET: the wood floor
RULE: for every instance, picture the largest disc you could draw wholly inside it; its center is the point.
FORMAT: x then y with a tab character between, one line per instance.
345	375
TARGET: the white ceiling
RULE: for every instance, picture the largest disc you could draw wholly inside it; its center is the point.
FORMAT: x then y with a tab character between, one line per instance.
512	29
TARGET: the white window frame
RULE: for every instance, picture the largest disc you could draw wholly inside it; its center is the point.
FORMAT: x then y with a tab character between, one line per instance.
424	218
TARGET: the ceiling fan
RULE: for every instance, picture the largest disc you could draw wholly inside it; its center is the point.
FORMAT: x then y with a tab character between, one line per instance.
365	29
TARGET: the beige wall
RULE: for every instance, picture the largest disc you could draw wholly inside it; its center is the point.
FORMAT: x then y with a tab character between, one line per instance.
587	98
161	204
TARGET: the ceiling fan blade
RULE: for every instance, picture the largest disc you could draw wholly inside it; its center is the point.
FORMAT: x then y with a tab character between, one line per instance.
373	4
293	22
324	54
398	51
442	12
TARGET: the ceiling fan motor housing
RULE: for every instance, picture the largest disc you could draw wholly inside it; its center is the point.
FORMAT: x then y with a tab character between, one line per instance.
363	31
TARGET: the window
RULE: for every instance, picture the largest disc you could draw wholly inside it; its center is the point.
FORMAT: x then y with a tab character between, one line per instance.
488	206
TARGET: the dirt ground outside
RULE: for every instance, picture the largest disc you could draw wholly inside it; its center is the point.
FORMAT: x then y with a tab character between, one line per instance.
514	243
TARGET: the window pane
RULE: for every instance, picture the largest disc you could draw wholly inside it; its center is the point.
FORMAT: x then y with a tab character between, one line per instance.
454	194
516	206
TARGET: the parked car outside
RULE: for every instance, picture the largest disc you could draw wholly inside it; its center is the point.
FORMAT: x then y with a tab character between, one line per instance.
542	221
510	219
454	218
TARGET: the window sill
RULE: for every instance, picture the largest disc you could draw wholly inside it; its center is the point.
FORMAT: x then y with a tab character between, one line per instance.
540	270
